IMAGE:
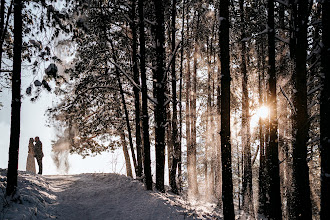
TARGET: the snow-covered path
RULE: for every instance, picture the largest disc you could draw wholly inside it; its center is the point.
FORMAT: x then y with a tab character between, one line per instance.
103	196
108	196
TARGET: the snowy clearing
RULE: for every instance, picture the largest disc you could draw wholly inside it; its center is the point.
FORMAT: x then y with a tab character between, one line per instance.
95	196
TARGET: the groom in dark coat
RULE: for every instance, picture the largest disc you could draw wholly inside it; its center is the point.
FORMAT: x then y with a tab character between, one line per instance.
38	154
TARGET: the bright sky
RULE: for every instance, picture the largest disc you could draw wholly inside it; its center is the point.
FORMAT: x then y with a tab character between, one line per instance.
33	123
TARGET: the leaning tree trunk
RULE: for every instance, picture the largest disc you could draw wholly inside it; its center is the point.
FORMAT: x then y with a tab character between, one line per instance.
272	163
122	95
325	113
145	116
227	180
302	202
16	102
159	93
126	155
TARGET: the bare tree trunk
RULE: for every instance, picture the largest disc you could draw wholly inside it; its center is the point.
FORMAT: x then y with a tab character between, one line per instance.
212	118
136	91
125	109
180	99
208	136
227	180
262	166
16	102
247	169
188	115
274	199
217	148
325	113
302	202
126	155
175	157
192	151
159	93
145	116
168	132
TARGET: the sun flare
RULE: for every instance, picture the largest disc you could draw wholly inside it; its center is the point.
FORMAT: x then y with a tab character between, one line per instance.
263	112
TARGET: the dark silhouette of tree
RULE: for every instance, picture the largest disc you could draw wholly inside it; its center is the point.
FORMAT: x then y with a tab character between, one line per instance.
176	146
227	182
325	113
159	93
300	176
246	143
262	155
192	150
145	117
16	102
136	90
272	162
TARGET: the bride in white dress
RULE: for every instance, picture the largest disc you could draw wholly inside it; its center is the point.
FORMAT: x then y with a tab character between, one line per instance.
30	164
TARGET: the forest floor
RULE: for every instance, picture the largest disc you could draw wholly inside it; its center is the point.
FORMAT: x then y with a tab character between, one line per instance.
96	196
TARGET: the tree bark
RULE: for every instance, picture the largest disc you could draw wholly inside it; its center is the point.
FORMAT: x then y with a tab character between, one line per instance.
16	102
325	113
274	198
188	114
136	91
175	157
145	116
191	153
208	131
125	109
159	93
262	166
302	202
180	98
247	168
126	155
227	181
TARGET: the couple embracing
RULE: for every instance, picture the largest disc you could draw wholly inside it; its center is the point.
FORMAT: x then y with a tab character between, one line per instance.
35	151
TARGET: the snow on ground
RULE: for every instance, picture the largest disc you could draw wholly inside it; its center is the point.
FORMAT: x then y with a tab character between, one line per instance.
95	196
